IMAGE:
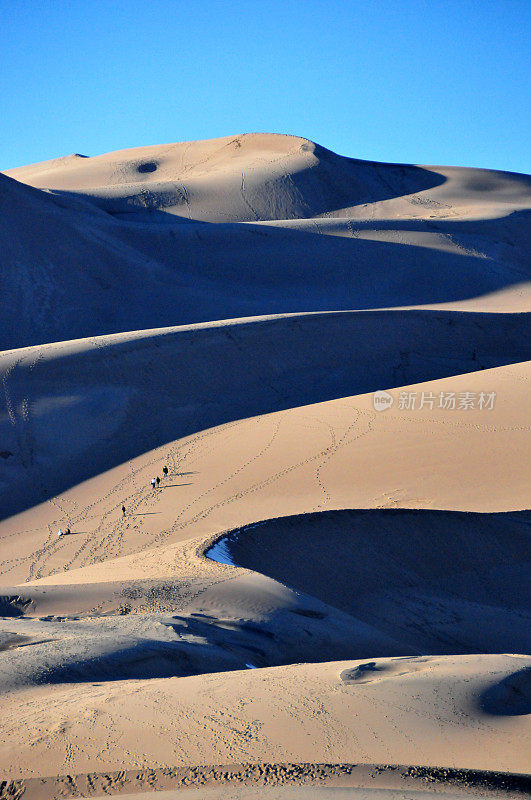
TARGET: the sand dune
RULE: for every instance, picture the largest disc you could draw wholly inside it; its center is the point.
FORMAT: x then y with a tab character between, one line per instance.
271	177
384	588
150	388
260	177
228	308
162	236
332	455
298	713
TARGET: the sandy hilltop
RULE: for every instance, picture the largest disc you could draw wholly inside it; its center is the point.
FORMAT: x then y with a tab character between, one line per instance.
323	596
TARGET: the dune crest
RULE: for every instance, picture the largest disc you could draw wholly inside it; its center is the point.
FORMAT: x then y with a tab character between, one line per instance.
265	177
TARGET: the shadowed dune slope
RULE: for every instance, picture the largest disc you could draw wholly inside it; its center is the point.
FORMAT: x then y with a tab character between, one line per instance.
439	581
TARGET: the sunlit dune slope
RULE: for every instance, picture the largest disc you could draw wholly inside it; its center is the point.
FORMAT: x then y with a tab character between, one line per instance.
65	403
333	455
393	711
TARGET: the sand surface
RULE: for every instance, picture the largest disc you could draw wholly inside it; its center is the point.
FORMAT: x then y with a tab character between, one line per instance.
324	597
249	225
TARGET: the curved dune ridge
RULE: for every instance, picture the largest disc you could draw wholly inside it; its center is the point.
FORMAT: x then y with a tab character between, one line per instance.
161	236
188	379
321	589
265	177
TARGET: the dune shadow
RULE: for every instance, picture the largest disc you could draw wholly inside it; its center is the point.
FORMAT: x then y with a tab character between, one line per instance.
13	605
345	181
213	646
510	697
143	514
74	533
147	659
10	641
440	581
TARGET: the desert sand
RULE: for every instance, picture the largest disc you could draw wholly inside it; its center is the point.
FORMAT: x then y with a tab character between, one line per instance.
323	597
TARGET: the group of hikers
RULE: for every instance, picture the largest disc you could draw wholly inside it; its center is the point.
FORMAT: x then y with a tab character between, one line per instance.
155	482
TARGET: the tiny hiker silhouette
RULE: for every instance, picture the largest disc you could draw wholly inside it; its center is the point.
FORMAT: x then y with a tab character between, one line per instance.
165	471
153	482
158	480
123	511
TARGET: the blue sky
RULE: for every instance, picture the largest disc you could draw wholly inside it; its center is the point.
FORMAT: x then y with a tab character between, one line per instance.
422	81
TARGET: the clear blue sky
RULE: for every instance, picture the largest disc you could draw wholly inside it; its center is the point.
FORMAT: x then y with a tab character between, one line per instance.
422	81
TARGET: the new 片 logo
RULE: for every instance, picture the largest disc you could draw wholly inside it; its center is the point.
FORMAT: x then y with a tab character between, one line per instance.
382	400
